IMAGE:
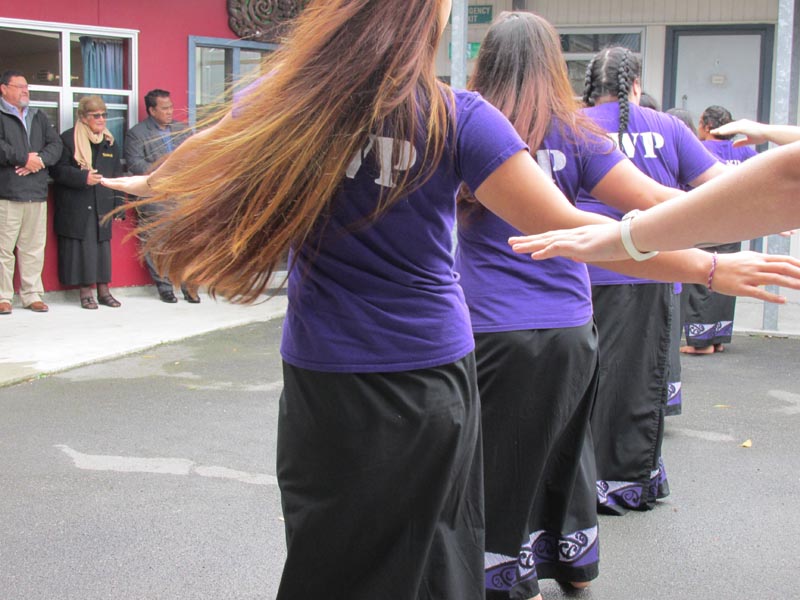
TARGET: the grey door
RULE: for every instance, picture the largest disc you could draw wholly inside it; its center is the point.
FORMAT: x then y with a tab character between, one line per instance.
728	66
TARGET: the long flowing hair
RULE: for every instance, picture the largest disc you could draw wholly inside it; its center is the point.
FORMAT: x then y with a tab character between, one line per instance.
612	72
522	72
262	179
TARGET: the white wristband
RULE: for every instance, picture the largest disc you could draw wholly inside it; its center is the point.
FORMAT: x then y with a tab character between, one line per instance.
627	240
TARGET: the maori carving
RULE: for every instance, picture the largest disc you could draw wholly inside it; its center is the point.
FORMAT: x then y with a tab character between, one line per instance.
263	20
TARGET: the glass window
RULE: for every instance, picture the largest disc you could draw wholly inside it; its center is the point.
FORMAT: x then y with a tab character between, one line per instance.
580	46
213	69
99	62
35	53
215	65
594	42
96	59
48	102
250	62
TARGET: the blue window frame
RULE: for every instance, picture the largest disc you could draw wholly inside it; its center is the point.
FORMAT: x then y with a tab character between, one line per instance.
215	65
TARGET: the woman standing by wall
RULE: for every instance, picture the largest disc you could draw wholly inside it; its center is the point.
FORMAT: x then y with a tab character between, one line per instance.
84	238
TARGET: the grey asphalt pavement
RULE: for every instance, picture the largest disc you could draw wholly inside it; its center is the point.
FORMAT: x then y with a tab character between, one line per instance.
152	476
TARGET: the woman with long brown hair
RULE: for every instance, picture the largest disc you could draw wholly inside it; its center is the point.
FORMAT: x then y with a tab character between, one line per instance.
535	341
349	156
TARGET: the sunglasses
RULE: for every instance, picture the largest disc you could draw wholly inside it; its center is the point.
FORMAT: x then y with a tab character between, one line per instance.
102	115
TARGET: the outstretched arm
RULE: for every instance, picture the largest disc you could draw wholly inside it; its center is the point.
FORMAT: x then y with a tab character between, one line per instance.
625	188
142	185
759	133
757	198
521	194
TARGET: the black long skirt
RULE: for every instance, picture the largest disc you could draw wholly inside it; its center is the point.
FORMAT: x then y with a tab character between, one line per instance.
86	261
633	322
708	316
381	484
537	392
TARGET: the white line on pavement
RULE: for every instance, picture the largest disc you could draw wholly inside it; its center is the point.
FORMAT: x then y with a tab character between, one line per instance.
710	436
161	466
788	397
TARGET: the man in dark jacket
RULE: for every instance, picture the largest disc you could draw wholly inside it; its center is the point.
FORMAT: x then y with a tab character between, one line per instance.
146	144
28	144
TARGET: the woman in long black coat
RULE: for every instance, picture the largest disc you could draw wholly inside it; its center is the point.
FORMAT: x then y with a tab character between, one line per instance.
84	239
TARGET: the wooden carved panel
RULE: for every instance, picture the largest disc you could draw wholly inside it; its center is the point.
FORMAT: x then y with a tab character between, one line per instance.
262	20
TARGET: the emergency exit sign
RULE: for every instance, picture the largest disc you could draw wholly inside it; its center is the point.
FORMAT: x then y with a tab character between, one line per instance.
472	50
479	13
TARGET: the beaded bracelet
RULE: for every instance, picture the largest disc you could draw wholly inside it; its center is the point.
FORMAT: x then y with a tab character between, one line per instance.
711	272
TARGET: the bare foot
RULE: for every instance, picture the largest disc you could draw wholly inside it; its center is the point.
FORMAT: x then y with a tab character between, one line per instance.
719	348
693	350
580	585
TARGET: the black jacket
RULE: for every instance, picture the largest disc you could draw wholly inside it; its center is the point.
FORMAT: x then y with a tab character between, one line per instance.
75	200
16	144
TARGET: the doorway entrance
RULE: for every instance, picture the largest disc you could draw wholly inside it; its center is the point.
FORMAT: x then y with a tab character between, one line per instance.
726	65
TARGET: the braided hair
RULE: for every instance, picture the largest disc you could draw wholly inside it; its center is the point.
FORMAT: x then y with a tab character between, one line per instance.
611	73
716	116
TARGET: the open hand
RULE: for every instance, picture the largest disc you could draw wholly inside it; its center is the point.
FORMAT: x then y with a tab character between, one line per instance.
135	186
590	243
93	177
741	274
753	132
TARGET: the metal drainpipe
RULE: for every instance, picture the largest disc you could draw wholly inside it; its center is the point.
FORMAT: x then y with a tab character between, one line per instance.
784	112
458	45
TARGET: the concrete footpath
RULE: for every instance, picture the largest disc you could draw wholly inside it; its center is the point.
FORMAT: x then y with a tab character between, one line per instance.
35	344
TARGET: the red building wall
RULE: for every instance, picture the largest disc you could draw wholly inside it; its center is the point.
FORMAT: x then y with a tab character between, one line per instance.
164	30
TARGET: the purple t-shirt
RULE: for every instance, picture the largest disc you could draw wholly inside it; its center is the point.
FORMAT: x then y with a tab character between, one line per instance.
661	146
726	153
383	296
510	292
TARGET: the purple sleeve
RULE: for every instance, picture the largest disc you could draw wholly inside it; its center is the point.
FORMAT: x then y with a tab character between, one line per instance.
598	155
693	158
484	140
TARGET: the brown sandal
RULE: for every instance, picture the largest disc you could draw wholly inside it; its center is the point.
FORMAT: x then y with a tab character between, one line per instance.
109	300
88	302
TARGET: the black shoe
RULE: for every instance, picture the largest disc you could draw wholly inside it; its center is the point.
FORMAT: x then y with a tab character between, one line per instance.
168	296
191	299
